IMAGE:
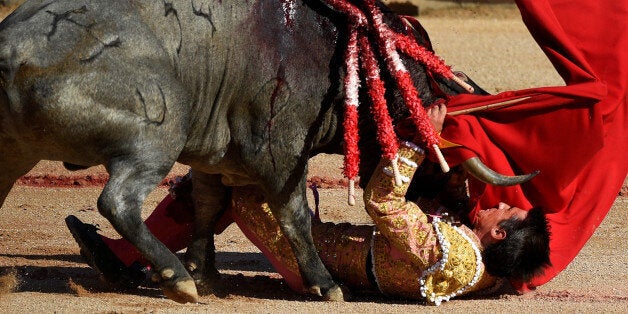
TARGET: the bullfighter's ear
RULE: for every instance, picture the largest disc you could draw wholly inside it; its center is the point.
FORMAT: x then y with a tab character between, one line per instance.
498	233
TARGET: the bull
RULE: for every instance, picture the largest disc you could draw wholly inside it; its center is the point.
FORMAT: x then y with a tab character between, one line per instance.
244	92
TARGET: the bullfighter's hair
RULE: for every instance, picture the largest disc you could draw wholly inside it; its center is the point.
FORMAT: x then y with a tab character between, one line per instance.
524	253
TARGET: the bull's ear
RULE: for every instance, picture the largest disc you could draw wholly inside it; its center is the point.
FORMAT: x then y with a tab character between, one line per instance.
487	175
465	78
454	88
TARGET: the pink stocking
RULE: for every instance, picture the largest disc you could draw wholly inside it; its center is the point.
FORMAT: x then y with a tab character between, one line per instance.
171	222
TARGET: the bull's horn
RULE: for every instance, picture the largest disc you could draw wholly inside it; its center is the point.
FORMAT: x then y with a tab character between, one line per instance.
487	175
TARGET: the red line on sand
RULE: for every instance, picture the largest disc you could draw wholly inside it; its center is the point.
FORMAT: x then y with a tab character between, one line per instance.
99	180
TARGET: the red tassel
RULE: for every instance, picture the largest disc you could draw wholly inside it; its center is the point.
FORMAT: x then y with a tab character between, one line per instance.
389	42
404	81
353	13
352	154
385	130
350	124
408	46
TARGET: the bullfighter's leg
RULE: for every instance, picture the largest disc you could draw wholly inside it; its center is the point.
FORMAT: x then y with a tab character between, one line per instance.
131	179
295	222
211	198
118	261
171	222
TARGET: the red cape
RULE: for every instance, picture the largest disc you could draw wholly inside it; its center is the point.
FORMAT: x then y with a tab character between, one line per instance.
574	134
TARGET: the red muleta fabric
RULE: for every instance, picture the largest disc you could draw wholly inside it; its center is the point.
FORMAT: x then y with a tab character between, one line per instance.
574	134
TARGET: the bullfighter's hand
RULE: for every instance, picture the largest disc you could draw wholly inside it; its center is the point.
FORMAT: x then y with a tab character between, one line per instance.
437	115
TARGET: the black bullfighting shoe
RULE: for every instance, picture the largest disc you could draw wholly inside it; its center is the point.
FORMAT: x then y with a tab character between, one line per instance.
98	255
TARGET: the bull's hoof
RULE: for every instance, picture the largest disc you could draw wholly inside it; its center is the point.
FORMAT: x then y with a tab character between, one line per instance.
182	291
333	294
207	282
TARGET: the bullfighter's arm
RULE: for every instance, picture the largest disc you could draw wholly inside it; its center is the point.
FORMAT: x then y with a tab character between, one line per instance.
401	222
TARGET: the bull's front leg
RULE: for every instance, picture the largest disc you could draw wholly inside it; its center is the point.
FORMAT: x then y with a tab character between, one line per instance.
294	220
131	179
211	198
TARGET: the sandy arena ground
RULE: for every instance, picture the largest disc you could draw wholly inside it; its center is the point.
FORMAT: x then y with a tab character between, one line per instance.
490	45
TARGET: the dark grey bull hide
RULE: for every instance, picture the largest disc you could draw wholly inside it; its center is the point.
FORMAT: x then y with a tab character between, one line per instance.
242	91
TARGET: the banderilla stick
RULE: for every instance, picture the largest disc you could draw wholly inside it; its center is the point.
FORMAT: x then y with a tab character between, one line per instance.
500	104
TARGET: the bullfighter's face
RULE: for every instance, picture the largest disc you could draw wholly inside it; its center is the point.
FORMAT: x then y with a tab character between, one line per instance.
487	222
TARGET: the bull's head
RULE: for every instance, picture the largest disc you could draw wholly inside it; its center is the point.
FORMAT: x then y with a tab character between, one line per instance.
431	88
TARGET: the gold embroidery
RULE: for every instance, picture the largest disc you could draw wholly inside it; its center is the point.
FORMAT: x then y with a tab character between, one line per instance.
462	273
256	216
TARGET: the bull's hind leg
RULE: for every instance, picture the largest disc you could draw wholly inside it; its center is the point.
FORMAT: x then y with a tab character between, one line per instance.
295	222
131	179
211	198
10	170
